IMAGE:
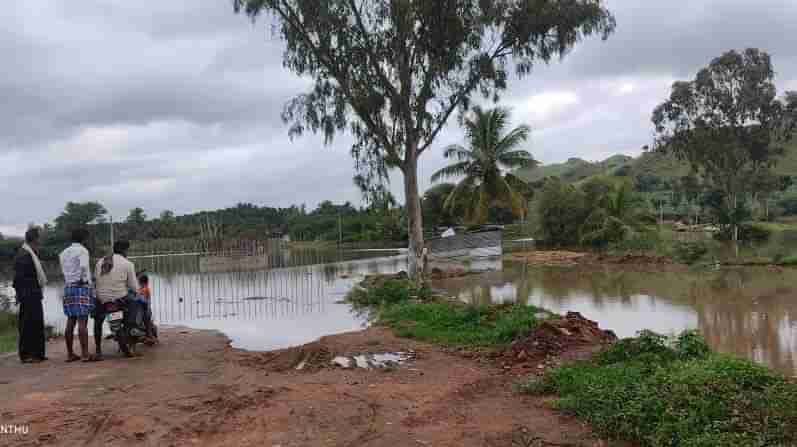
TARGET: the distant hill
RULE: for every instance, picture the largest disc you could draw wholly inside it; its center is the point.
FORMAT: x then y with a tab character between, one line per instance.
575	169
665	167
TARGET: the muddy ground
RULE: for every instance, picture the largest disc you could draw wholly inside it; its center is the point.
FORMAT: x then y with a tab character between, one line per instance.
194	389
629	261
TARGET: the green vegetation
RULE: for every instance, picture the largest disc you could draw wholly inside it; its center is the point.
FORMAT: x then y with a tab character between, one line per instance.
8	334
575	169
674	191
661	392
327	223
490	151
595	213
8	326
690	252
789	261
457	324
444	322
705	169
390	292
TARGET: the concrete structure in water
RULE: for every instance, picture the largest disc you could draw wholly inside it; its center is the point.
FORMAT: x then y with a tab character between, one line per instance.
466	246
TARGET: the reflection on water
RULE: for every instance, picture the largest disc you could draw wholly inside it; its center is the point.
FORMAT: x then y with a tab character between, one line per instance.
751	312
271	309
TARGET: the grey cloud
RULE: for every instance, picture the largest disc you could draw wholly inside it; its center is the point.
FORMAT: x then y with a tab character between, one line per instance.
176	104
112	65
678	37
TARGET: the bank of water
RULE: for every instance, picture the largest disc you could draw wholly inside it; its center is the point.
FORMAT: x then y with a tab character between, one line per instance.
750	312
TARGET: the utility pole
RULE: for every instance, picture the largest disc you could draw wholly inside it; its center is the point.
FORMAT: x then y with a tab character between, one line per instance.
111	223
340	230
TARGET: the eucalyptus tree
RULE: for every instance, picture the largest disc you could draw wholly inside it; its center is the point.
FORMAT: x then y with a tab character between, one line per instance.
481	166
76	215
392	72
728	123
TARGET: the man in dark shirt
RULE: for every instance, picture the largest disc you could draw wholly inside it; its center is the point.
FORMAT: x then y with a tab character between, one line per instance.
27	284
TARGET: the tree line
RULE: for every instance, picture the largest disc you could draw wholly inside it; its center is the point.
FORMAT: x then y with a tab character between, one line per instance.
731	128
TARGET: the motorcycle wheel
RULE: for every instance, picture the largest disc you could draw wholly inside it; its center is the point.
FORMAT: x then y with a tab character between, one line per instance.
123	344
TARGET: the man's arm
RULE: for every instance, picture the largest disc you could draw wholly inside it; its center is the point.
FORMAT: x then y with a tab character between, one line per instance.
85	266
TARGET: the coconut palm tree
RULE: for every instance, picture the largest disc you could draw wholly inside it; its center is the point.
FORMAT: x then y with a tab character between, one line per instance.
616	215
485	164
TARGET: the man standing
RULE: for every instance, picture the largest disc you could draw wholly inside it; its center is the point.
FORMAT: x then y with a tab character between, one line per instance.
29	282
78	293
116	276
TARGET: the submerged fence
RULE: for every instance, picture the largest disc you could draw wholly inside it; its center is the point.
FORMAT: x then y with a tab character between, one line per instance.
242	279
203	246
240	295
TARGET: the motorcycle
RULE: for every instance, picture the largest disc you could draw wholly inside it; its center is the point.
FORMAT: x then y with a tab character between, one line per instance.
125	319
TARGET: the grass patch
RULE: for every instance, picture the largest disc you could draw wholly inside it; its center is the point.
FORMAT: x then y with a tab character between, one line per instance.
455	324
776	227
8	332
661	392
409	310
790	261
388	293
8	343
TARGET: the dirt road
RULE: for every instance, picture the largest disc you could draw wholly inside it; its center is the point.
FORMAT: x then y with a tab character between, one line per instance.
194	389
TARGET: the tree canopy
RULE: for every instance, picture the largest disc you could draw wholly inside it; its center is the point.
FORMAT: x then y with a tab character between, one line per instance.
728	122
78	215
491	151
136	216
392	72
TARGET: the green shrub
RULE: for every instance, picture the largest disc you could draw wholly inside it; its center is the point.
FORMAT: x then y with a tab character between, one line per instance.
747	232
789	204
660	392
647	344
640	242
690	252
691	345
562	209
755	232
789	260
391	292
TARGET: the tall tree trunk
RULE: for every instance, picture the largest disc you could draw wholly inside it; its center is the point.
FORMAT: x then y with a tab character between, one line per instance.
415	218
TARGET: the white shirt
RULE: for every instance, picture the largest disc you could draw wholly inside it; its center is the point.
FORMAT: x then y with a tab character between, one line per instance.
115	284
75	264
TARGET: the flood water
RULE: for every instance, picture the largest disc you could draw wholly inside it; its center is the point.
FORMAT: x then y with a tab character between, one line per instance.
257	308
750	312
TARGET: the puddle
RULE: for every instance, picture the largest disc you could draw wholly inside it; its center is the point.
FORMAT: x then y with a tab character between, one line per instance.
374	361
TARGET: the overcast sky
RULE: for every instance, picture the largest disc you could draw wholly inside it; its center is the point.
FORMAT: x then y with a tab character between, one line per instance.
176	104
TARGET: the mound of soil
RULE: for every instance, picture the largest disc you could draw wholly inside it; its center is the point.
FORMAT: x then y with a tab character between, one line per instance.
310	357
556	341
550	258
318	355
437	273
636	259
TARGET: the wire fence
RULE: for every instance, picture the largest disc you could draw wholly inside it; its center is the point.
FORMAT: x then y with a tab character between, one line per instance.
243	279
240	295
